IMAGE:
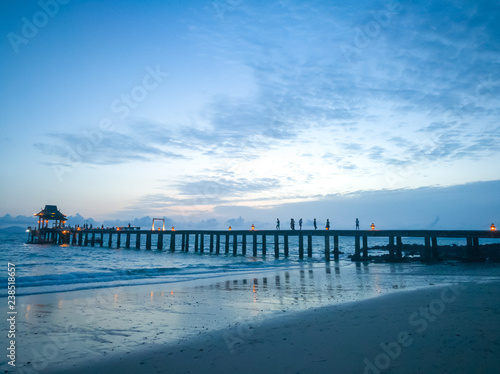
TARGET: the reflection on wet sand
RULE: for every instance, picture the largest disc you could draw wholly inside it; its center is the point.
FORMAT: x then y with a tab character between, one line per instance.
120	319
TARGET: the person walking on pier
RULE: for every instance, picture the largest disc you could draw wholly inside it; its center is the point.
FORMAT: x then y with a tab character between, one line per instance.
314	223
357	224
277	223
327	224
292	224
300	224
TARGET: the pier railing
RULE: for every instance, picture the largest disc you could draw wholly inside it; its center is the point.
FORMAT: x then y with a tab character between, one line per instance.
225	241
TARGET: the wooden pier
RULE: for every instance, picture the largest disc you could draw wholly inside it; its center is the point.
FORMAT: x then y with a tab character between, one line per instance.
243	242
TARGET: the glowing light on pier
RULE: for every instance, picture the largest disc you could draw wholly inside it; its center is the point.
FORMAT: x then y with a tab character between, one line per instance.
173	228
372	226
230	228
492	227
253	227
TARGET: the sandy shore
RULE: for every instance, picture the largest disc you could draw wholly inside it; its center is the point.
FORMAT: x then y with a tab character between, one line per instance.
452	329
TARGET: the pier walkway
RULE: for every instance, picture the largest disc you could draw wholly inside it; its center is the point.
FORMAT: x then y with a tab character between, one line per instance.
243	241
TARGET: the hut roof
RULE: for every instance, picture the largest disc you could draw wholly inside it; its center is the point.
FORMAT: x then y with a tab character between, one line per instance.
51	212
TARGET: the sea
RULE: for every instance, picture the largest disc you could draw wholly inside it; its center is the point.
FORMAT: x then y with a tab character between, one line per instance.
48	268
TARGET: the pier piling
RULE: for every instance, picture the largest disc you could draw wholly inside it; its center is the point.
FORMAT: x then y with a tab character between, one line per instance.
137	241
159	244
336	248
327	247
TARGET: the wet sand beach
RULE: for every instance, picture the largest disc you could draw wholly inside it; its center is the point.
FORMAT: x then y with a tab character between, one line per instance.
451	329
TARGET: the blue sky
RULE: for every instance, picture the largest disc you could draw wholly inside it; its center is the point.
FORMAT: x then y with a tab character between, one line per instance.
199	110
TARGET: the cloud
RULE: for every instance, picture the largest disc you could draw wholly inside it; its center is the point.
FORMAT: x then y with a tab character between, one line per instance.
472	206
420	89
134	142
237	223
467	206
221	188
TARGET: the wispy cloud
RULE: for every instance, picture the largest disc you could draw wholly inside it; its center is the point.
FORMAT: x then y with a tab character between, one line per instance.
136	142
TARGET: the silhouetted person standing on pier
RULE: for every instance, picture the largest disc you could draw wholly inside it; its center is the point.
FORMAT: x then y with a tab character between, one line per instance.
314	223
292	224
300	224
277	223
327	224
357	224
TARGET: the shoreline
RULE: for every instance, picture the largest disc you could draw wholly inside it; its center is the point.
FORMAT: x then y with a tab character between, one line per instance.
433	329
